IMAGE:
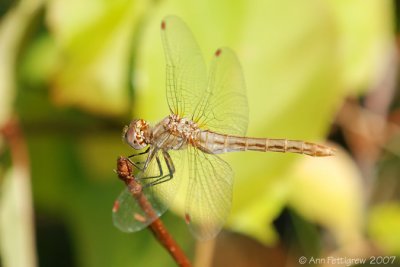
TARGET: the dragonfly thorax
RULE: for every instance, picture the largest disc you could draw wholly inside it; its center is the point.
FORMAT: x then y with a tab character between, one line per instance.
137	134
182	127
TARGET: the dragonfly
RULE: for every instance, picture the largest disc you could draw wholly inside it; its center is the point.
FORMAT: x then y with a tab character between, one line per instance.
208	116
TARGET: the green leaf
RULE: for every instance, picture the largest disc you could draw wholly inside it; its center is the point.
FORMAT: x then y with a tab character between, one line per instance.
329	192
366	44
383	227
95	45
12	31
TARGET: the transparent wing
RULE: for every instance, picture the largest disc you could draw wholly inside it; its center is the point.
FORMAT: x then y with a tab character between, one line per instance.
129	215
186	75
209	195
224	107
219	103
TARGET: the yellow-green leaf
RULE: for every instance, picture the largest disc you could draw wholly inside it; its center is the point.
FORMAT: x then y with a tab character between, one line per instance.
383	227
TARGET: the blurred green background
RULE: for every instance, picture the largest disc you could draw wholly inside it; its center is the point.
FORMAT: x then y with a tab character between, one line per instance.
73	73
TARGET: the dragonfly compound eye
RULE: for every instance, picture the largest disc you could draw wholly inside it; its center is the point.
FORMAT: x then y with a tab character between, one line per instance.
135	134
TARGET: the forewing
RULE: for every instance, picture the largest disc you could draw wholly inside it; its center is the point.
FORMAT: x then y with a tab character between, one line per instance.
129	215
209	195
224	107
186	75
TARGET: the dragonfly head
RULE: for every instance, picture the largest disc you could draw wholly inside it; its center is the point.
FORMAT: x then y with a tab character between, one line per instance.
137	134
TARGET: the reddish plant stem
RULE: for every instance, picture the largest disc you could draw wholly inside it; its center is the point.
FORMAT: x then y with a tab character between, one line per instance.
19	152
124	170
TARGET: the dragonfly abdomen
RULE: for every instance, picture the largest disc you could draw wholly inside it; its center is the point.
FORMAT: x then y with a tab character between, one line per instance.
220	143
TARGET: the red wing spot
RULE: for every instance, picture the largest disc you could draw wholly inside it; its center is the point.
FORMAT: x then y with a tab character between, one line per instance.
115	206
218	53
187	218
163	25
139	218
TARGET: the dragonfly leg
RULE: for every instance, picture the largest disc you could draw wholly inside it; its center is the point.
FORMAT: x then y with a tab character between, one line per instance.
171	170
169	162
139	162
140	153
160	175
